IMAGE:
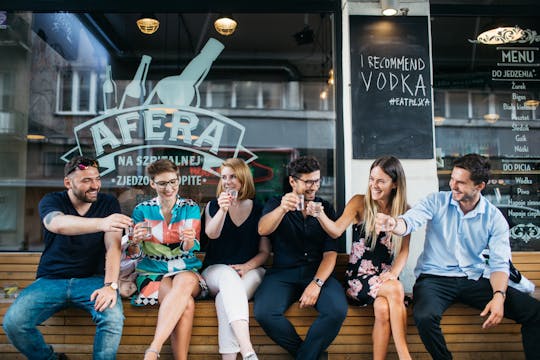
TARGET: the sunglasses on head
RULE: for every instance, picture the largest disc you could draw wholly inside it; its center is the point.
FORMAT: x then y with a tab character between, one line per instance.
83	164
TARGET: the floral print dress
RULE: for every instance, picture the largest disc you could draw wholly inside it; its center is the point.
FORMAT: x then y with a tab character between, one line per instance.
362	276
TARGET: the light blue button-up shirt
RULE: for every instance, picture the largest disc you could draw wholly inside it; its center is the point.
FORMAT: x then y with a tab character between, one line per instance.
454	240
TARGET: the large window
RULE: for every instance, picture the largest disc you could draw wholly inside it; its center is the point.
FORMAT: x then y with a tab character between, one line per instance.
486	101
92	83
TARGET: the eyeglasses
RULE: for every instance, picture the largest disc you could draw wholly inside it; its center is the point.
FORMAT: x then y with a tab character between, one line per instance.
163	184
82	164
308	183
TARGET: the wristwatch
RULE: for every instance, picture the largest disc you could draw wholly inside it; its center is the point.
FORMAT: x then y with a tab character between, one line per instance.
318	281
112	285
500	292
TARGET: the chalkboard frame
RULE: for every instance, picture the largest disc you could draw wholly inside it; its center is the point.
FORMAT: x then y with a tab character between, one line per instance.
391	120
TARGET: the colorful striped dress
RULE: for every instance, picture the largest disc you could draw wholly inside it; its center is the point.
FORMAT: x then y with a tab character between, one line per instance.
162	253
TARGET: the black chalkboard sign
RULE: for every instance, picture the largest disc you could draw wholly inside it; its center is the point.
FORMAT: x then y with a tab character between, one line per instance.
391	87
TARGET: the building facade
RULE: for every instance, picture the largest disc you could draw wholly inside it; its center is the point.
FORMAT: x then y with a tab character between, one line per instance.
333	79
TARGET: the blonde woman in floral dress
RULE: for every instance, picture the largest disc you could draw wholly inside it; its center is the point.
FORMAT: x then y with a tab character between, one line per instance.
376	260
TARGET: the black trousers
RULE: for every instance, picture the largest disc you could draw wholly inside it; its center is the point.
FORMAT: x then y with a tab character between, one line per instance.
281	288
434	294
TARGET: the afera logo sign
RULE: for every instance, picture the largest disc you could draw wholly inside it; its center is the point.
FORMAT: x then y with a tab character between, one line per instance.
170	117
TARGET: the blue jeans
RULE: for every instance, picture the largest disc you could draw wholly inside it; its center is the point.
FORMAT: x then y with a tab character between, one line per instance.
43	298
281	288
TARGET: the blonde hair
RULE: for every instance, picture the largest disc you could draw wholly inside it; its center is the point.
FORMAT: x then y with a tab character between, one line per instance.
244	176
391	166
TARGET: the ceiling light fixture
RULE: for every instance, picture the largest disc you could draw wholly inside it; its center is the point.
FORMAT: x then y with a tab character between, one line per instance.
148	24
390	7
225	24
491	118
35	137
500	35
532	103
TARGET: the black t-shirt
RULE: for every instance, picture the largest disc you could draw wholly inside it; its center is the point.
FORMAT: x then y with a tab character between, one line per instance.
297	240
74	256
236	244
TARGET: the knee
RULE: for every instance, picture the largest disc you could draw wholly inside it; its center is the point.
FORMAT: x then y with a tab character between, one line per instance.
263	313
395	290
185	285
12	321
336	310
190	306
424	318
341	311
381	311
15	319
259	312
112	319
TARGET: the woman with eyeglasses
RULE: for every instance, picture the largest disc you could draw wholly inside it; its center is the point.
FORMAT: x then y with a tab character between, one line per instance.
376	259
234	257
167	230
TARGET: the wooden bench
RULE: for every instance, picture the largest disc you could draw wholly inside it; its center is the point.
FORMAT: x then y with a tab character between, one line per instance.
72	331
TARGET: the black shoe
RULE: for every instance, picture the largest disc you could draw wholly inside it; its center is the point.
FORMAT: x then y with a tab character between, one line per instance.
61	356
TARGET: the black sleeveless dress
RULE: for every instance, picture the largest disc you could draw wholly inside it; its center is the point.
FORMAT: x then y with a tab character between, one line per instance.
362	276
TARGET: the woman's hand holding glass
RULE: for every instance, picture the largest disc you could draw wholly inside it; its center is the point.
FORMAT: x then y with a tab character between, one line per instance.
224	201
140	232
187	234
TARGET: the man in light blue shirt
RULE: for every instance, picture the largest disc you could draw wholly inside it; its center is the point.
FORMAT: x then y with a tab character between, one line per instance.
460	224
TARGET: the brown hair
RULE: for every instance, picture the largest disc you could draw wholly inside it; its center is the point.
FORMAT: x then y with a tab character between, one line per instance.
161	166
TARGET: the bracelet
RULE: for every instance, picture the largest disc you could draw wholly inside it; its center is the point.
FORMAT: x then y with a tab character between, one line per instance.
500	292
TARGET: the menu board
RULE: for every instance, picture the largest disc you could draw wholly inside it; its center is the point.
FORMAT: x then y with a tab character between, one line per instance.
391	87
518	177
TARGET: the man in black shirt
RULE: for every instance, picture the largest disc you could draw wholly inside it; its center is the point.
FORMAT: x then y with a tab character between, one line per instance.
78	268
304	258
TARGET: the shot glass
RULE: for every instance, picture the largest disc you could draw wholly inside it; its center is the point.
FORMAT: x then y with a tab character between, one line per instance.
300	204
148	227
233	194
188	224
316	207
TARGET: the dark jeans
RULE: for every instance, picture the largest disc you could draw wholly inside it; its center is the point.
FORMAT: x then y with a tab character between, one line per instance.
282	287
434	294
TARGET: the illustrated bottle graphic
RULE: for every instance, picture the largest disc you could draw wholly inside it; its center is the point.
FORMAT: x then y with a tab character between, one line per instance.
181	90
110	100
135	89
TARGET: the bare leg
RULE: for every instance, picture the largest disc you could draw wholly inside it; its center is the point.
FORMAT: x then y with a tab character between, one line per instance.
381	328
392	290
174	296
181	335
